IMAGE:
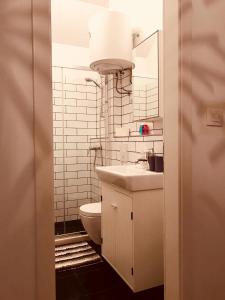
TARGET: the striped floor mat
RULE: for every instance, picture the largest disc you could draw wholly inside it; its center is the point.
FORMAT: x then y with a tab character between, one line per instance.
75	255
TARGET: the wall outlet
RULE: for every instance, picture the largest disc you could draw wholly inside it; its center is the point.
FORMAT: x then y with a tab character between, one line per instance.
214	117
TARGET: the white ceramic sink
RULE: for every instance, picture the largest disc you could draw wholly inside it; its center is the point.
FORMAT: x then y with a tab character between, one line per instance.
131	177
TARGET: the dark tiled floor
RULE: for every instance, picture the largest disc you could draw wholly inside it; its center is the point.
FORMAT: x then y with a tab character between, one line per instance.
70	226
98	282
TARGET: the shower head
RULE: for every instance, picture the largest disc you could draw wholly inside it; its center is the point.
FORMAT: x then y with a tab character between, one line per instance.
91	80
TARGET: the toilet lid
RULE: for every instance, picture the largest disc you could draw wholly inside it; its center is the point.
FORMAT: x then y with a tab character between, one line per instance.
91	209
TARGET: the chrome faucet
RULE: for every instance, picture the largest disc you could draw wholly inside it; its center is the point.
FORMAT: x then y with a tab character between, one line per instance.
140	159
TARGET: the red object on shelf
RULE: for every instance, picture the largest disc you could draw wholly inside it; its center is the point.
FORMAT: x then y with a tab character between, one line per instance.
146	130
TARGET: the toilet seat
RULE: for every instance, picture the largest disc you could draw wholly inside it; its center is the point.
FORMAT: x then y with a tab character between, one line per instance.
91	209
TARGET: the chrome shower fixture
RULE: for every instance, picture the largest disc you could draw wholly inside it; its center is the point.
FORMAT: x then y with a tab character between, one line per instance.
92	80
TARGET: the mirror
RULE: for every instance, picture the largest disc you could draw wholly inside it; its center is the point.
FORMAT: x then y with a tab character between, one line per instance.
146	79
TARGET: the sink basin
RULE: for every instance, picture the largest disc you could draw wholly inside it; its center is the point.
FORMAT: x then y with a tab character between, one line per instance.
131	177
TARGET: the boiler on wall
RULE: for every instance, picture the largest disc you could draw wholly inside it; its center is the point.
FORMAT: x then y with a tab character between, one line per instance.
111	42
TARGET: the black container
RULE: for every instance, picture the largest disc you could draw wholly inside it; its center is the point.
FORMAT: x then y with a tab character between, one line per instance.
159	164
151	162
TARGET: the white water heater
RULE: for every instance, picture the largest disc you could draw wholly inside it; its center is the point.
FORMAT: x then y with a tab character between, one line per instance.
111	42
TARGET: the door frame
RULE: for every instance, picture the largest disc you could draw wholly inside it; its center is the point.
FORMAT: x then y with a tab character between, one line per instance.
44	209
43	149
172	142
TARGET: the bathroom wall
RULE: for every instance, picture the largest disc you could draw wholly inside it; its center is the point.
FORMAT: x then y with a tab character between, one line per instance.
83	118
118	111
128	149
70	56
71	16
145	15
74	123
204	212
145	96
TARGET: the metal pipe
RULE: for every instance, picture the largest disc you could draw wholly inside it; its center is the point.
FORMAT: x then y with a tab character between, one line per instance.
92	80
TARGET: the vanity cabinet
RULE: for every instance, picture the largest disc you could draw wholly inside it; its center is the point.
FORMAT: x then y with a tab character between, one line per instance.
132	235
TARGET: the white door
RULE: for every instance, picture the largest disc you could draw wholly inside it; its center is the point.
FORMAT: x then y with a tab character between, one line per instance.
117	231
124	240
108	225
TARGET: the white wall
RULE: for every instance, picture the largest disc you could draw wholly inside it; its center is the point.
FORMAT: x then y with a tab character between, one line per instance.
70	21
70	26
74	124
144	14
64	55
203	205
195	152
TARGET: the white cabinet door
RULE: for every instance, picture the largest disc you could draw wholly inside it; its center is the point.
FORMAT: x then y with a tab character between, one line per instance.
124	237
117	231
108	226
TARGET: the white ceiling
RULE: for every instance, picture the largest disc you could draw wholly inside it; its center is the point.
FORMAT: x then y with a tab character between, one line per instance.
98	2
70	20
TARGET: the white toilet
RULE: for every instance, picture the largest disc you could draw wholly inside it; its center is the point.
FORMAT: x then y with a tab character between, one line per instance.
90	215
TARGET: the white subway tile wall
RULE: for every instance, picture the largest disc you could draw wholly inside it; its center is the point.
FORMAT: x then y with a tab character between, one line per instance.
85	115
74	123
118	112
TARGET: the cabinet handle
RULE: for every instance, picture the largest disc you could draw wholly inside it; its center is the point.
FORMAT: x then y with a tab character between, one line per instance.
114	205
